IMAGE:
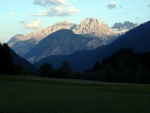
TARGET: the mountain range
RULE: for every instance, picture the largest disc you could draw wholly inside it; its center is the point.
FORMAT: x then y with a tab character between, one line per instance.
98	31
61	42
123	27
26	43
137	39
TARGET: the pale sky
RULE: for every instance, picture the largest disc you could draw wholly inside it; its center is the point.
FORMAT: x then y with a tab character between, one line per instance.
25	16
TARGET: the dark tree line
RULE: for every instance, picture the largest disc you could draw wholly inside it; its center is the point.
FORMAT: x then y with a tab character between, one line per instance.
64	71
124	65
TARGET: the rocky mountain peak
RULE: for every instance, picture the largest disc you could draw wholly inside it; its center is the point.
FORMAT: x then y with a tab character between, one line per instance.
91	24
36	35
62	25
124	26
16	38
88	21
93	27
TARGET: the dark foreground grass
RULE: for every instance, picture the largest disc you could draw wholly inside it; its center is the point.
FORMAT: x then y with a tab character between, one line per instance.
38	95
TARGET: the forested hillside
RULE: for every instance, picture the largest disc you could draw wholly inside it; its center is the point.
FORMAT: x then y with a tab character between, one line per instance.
12	64
124	65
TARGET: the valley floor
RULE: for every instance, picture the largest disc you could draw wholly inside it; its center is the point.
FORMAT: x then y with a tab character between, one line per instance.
42	95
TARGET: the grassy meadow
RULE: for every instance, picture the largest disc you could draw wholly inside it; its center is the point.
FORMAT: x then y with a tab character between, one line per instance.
44	95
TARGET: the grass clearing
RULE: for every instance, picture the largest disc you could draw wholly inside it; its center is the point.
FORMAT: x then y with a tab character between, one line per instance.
42	95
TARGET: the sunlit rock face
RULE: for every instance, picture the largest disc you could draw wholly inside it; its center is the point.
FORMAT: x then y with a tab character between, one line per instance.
93	28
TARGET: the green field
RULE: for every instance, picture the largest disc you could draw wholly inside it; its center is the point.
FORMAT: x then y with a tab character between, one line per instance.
41	95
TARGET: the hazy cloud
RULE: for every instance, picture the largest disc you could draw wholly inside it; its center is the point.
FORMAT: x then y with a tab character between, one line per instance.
34	24
112	5
73	10
57	11
50	2
149	5
55	8
11	13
